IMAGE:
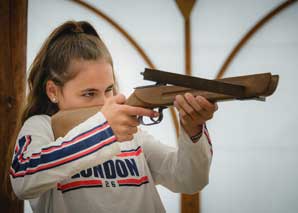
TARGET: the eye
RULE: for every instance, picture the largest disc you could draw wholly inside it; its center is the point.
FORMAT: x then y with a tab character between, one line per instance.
109	90
88	94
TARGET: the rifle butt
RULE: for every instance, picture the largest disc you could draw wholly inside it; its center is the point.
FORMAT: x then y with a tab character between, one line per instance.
63	121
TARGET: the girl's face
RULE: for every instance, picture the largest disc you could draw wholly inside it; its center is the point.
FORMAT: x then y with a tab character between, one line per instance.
93	83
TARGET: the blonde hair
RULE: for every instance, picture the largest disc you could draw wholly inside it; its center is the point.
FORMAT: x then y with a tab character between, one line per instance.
71	40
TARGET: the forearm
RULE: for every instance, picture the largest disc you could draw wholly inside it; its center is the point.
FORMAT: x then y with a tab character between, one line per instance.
39	164
182	169
190	173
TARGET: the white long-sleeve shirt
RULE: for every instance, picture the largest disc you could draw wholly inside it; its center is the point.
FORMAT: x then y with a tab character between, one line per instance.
89	171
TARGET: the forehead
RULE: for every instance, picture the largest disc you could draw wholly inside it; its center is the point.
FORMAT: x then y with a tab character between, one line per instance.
90	73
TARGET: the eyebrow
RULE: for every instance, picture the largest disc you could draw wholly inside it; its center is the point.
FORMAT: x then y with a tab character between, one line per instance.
95	90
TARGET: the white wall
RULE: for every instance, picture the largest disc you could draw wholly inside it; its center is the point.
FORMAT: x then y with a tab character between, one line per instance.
255	149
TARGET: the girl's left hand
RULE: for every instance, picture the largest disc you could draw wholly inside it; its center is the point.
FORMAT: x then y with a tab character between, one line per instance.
194	112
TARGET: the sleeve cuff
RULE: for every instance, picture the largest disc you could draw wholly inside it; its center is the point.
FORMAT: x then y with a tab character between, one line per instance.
204	140
196	138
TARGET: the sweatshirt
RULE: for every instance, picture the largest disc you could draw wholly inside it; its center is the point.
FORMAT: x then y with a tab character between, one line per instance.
88	170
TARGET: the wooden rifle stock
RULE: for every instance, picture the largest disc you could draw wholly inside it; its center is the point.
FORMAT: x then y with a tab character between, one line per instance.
256	86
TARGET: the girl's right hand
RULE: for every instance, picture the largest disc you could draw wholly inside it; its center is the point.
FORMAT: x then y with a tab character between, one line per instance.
123	118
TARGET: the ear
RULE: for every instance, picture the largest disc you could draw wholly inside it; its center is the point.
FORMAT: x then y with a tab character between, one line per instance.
52	91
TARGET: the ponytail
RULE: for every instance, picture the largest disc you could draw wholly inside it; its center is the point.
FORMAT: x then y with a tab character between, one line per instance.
71	40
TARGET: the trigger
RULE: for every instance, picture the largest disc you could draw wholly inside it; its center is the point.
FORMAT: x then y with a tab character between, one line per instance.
160	117
154	121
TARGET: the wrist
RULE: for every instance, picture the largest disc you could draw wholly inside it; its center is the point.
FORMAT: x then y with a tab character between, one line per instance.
194	133
195	138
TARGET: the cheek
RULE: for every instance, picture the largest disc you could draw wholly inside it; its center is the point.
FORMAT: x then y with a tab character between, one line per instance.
69	101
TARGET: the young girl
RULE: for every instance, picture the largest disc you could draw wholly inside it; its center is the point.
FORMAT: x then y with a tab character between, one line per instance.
104	164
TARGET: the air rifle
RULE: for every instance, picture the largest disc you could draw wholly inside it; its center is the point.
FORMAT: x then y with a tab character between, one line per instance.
168	85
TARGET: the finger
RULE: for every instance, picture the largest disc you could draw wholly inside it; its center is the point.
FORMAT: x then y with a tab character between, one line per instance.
192	101
132	121
132	130
182	102
206	105
183	121
119	99
139	111
205	115
176	106
186	119
182	114
125	130
128	138
208	108
123	138
197	117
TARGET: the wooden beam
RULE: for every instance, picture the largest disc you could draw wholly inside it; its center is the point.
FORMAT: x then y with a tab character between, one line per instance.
248	35
13	39
185	7
189	203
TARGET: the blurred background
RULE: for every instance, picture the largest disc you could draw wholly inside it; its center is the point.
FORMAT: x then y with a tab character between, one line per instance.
254	143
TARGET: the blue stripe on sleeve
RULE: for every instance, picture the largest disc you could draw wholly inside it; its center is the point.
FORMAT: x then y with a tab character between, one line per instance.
59	154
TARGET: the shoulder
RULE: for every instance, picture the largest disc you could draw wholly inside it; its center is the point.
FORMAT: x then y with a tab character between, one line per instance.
37	124
38	121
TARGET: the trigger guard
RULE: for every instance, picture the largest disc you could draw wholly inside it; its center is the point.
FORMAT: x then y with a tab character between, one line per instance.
160	117
154	121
